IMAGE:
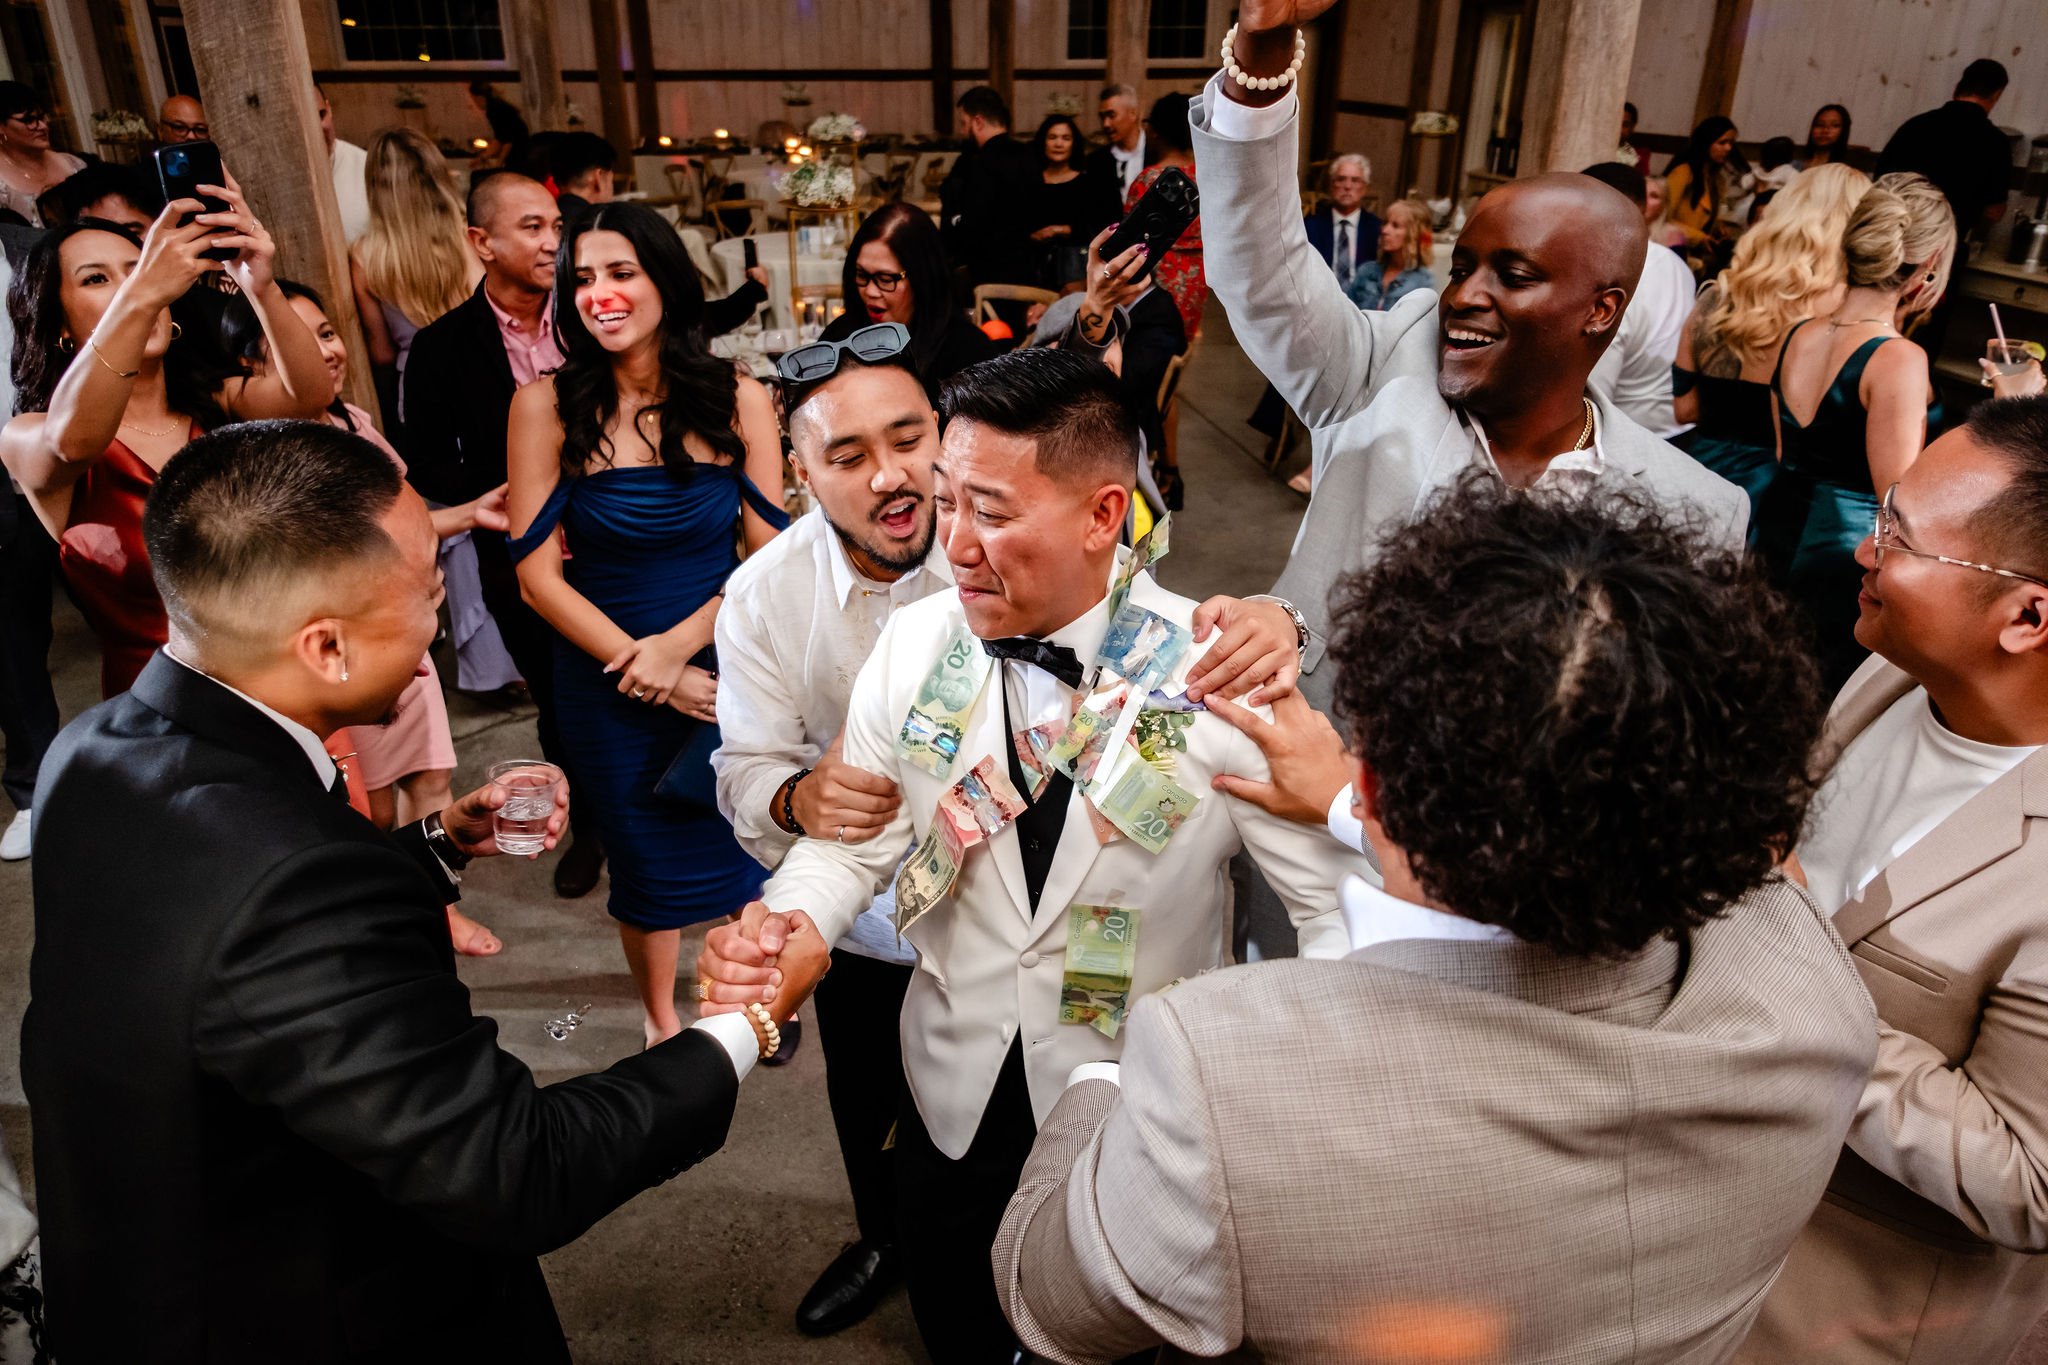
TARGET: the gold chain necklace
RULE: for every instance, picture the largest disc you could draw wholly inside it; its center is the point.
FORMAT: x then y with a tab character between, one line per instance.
1859	322
136	426
1585	435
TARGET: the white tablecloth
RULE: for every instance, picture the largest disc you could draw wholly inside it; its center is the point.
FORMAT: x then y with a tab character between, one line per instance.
773	249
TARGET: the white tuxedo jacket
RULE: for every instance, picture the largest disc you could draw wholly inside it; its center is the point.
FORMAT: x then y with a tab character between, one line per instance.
986	966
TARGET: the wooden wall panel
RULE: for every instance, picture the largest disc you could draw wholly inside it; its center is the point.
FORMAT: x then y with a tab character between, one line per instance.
1379	53
1380	140
1671	43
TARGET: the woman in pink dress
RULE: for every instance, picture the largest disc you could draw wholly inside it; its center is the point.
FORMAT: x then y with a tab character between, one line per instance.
404	765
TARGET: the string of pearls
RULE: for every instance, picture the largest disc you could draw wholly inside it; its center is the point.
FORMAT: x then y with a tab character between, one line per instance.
764	1024
1250	82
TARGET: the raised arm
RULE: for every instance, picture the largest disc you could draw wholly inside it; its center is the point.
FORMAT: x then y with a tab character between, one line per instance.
296	382
1286	308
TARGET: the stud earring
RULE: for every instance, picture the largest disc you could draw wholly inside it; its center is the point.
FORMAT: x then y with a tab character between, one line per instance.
1929	277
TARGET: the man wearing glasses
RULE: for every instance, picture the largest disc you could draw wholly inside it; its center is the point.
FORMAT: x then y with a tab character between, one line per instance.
182	119
1928	846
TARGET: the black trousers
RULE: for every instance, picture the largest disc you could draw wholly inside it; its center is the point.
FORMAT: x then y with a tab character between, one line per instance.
859	1006
950	1211
28	704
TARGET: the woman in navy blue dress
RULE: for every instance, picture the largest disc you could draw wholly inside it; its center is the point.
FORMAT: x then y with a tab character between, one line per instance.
648	457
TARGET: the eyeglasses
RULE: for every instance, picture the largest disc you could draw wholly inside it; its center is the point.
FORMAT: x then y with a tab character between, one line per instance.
884	280
181	132
1884	536
806	367
29	119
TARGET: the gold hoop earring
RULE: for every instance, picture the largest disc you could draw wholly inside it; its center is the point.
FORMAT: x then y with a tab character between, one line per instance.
176	330
66	345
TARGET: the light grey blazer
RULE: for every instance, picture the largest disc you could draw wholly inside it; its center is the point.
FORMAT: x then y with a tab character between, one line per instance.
1364	383
1482	1149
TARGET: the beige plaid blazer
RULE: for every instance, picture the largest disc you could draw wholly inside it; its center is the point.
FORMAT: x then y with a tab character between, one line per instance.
1930	1244
1435	1151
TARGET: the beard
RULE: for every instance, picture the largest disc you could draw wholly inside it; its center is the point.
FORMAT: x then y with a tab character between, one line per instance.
893	555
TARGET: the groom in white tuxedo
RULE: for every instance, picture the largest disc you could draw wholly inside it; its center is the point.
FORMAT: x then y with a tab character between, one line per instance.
1031	490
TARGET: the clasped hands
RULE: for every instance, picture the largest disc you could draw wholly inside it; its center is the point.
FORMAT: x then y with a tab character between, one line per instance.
773	958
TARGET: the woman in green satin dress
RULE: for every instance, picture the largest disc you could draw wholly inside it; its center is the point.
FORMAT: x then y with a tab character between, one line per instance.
1788	267
1852	398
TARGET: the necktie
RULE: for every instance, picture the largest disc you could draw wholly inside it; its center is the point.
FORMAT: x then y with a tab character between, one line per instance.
1344	254
1057	660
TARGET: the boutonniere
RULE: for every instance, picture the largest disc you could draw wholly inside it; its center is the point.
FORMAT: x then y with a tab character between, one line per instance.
1160	734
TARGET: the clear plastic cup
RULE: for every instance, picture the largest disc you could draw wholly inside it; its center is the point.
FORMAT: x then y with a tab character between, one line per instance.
530	787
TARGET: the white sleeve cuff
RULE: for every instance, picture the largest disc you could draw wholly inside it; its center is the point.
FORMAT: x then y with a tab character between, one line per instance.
1096	1071
736	1035
1245	122
1346	828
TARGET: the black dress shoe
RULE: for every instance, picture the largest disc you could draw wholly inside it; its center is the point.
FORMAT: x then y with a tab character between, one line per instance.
577	871
849	1289
792	1034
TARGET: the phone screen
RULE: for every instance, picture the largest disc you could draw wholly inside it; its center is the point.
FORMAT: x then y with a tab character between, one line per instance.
182	168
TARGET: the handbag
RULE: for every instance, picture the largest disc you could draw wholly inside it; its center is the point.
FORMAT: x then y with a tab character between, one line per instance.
688	779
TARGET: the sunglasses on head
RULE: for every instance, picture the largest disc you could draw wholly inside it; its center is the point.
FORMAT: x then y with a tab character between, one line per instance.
808	366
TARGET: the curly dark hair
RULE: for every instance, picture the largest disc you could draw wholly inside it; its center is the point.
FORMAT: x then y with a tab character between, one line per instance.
194	367
1585	723
702	391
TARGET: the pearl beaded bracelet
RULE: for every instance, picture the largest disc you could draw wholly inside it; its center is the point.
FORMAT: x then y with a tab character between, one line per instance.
764	1024
1248	82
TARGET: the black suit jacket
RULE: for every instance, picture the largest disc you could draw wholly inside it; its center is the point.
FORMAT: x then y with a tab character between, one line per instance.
267	1126
1322	235
1101	162
985	211
1152	333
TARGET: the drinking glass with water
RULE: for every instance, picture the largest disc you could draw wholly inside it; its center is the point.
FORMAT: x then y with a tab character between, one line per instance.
530	787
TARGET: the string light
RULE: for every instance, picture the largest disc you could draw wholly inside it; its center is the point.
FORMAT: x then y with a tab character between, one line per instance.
665	141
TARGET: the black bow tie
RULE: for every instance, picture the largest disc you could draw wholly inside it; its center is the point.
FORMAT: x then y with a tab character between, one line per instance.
1057	660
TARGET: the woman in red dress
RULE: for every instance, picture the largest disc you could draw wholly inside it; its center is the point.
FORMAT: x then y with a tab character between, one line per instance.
1179	271
109	390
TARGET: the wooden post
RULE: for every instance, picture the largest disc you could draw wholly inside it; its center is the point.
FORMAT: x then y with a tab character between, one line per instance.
531	30
640	40
1326	80
1427	17
941	13
1002	50
611	80
1130	25
1578	78
251	60
1724	60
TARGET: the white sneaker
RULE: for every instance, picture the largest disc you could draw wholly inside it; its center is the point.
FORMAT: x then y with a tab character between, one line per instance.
14	843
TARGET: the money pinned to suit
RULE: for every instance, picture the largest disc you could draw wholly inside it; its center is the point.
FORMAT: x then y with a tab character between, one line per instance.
1150	549
930	737
980	803
1144	648
1101	961
928	874
1090	735
1147	805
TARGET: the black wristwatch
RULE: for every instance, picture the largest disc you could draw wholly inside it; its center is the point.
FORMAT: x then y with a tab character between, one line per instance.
790	824
443	844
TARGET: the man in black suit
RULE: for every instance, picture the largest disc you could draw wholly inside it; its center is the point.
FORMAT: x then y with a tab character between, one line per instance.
983	205
459	380
267	1126
1126	151
1346	235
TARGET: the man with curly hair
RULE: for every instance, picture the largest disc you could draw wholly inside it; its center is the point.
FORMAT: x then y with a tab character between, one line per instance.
1928	848
1582	1077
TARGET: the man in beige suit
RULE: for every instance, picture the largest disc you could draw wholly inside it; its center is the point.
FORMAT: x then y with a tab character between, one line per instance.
1584	1073
1928	846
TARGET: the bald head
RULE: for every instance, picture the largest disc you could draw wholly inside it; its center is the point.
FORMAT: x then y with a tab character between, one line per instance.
181	120
1539	279
501	190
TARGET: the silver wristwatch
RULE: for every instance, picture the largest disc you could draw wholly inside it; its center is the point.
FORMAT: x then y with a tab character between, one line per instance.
1300	621
443	846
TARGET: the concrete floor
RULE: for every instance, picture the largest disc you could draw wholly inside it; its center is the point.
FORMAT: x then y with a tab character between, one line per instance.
709	1267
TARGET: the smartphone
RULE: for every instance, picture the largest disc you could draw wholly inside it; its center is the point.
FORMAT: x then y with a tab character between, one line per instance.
1157	220
752	257
182	168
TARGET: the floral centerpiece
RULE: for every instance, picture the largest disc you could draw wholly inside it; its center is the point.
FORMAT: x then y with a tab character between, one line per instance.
835	128
121	133
819	184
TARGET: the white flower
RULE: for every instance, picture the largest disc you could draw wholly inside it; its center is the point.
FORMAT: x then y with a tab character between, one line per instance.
819	184
836	128
119	125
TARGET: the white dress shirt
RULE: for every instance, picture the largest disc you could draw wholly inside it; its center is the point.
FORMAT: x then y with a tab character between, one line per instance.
797	623
1634	373
1129	165
1899	779
349	165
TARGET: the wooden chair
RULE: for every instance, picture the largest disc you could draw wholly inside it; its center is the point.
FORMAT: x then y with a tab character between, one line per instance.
685	191
715	211
986	296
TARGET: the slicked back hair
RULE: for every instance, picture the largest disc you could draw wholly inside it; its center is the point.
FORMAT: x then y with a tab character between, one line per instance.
1069	405
255	516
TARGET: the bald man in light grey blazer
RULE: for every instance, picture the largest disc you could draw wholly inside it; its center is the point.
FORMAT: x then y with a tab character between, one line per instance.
1400	403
